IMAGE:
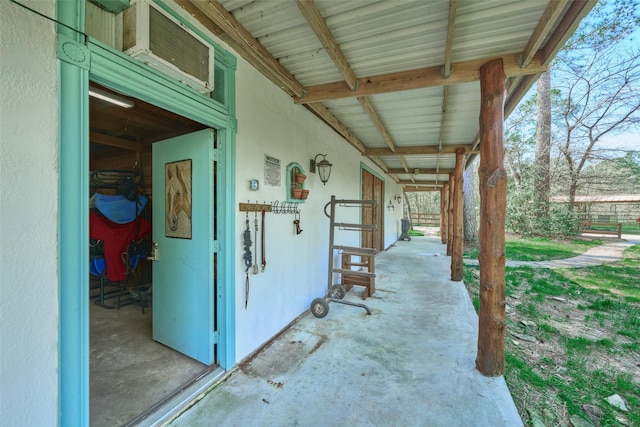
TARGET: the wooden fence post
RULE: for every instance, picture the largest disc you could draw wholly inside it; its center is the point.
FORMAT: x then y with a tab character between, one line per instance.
458	237
493	201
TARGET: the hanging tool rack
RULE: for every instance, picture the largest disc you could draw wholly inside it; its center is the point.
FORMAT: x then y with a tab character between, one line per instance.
335	293
277	207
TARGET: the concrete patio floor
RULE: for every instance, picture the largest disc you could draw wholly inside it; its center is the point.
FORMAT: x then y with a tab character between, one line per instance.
410	363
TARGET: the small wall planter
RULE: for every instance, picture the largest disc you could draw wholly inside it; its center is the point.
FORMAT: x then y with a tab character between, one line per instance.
296	177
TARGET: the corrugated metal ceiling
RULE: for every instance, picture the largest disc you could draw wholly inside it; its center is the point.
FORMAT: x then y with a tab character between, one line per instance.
390	36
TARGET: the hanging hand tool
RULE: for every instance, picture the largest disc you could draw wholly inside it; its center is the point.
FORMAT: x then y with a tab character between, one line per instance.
247	258
264	252
255	264
296	222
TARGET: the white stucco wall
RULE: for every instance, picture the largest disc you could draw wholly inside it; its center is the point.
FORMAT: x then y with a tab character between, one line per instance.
269	123
28	216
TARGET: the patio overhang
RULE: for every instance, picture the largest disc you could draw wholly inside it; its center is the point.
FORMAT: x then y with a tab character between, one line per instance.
420	88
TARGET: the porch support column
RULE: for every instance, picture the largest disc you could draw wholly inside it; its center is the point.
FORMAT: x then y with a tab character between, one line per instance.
444	208
457	238
452	186
493	201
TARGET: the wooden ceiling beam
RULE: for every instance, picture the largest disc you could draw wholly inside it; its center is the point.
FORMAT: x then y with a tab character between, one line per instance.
317	23
111	141
463	72
451	26
576	11
410	189
216	18
319	26
422	183
565	28
416	150
421	171
546	23
404	164
378	161
371	112
322	112
443	116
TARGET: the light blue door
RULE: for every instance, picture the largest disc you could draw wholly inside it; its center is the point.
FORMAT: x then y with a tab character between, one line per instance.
183	227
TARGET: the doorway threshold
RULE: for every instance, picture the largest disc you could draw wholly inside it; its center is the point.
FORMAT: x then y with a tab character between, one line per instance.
169	407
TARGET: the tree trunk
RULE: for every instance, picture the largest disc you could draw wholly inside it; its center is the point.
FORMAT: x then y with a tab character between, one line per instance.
470	226
443	222
543	145
452	184
408	205
445	213
456	246
493	201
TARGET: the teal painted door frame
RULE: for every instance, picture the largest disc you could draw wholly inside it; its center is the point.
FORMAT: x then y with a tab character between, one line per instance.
80	60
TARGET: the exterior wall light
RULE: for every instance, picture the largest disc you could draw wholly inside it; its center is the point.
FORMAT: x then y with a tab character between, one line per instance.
324	167
390	206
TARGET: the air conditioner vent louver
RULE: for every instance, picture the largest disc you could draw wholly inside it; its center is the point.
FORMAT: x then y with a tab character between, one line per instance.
158	40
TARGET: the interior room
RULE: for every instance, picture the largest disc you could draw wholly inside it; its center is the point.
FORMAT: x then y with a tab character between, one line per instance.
130	372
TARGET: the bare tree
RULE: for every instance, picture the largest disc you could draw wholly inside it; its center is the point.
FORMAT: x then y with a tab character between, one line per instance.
600	94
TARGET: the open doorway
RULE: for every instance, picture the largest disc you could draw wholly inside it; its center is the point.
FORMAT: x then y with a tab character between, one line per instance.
130	372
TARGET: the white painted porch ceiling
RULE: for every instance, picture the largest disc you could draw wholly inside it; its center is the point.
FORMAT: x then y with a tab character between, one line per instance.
423	122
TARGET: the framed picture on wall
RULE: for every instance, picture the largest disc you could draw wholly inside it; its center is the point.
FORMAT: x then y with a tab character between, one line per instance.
177	178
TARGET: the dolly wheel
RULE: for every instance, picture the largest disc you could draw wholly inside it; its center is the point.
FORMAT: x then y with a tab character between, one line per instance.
337	292
319	307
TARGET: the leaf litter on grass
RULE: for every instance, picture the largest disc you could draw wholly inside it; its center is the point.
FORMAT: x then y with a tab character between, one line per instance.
583	349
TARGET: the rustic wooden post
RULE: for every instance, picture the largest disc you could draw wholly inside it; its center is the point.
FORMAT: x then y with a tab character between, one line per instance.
458	237
493	201
444	207
452	185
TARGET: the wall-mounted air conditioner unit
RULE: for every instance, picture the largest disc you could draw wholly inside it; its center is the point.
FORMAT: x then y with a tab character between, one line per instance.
159	40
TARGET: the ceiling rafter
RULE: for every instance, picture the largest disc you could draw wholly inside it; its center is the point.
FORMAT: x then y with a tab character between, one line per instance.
416	150
404	163
228	28
546	23
319	26
112	141
317	23
576	11
548	36
421	183
463	72
322	112
421	171
451	26
371	112
443	116
408	188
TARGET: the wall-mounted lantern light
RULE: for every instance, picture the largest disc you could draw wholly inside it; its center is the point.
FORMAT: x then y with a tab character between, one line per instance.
390	206
324	167
398	198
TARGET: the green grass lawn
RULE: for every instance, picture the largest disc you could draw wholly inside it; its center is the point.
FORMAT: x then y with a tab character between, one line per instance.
572	340
541	249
